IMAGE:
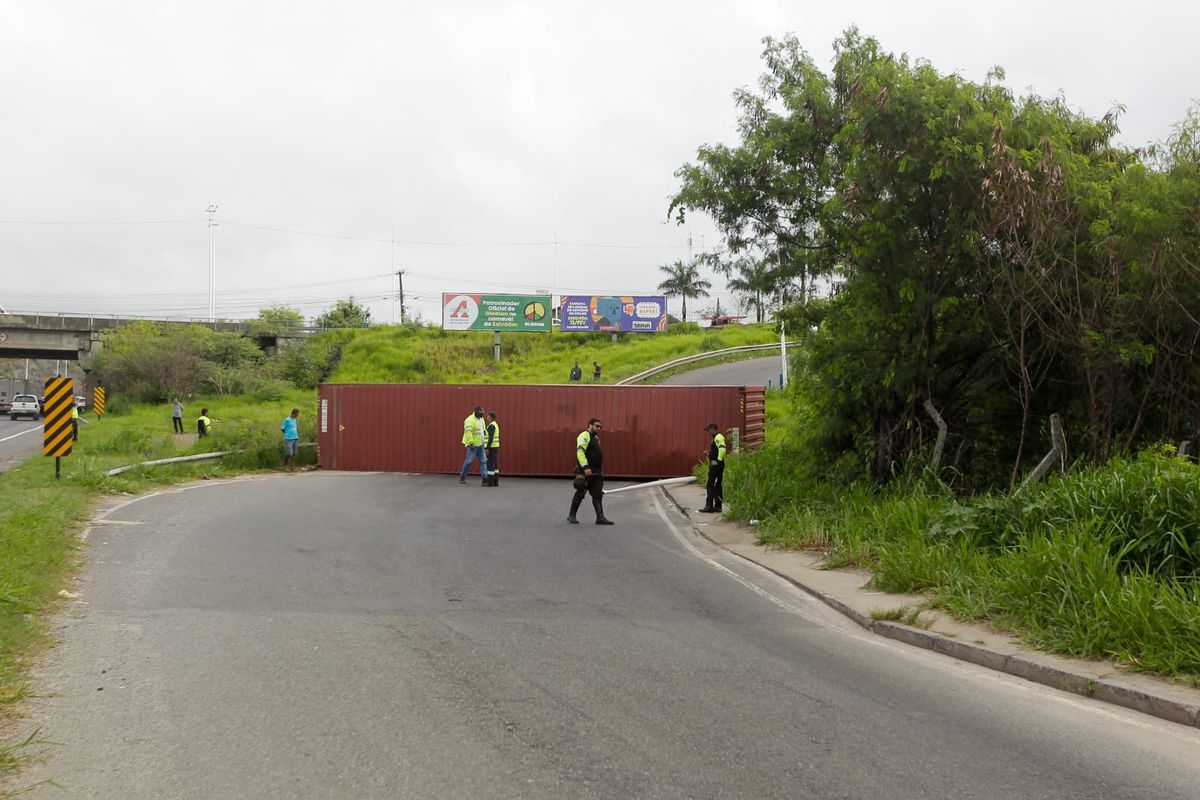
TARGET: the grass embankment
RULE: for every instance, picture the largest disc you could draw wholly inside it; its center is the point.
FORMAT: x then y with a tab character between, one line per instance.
1099	563
40	516
391	354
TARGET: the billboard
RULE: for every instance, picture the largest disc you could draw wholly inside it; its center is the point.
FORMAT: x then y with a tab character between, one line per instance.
624	313
496	312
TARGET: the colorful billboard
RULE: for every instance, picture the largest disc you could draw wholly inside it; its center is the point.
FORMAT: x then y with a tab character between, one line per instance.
625	313
496	312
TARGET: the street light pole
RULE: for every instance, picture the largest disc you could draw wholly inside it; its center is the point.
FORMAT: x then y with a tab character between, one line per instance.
212	262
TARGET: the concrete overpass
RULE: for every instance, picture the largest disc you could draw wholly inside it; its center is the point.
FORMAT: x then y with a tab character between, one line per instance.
73	337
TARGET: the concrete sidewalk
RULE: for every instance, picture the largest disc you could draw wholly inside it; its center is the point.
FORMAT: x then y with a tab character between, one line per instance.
845	590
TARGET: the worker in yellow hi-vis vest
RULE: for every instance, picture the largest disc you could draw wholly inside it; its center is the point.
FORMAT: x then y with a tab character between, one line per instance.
589	473
716	470
472	440
491	447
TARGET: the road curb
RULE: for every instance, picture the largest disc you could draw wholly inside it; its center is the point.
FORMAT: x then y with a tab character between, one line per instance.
1035	668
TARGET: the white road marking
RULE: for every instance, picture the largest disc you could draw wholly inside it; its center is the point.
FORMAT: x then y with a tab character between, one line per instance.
22	433
744	581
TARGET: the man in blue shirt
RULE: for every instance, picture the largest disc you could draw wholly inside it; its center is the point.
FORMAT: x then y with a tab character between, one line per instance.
291	440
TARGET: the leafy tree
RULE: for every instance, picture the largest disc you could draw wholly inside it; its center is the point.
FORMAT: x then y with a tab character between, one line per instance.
151	361
345	314
275	320
1001	259
683	280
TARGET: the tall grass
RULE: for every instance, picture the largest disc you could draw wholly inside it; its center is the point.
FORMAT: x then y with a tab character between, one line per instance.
409	354
1101	562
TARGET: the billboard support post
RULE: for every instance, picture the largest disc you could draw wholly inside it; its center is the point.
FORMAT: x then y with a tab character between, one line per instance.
496	347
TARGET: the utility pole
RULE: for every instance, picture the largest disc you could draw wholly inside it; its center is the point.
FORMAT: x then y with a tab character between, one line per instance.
212	261
400	279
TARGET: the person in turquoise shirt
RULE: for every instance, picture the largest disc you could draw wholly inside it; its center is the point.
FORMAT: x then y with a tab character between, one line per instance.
291	440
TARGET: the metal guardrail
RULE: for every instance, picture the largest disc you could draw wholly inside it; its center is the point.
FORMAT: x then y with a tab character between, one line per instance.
679	362
182	459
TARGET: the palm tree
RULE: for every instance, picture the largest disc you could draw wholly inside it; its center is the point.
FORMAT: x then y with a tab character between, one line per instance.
683	280
755	281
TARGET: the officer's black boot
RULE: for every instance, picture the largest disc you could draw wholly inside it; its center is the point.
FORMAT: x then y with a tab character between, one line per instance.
574	508
598	504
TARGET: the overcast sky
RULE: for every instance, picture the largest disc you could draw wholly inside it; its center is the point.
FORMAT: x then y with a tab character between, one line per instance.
474	133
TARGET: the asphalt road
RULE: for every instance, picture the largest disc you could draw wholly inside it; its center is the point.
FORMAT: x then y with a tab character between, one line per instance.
751	372
17	442
398	636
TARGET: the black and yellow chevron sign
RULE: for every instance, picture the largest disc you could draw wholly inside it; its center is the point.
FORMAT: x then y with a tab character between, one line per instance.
60	400
98	401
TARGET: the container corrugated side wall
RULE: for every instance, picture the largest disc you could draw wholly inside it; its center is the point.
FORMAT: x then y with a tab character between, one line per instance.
649	431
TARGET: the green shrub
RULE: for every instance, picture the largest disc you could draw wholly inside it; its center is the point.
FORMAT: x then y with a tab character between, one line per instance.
1101	562
683	328
270	390
117	403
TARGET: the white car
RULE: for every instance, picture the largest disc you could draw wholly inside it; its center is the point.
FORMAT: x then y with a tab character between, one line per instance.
25	405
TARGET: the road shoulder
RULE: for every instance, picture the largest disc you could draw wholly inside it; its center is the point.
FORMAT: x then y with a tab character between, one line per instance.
882	613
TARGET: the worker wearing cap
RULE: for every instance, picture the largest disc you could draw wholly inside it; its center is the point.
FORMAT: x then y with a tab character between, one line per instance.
472	440
491	448
716	470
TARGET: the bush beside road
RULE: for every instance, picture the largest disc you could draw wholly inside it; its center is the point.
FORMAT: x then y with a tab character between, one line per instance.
1100	563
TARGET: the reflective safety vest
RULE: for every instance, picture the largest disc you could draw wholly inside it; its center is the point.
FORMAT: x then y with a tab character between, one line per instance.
203	424
588	453
472	431
492	440
716	451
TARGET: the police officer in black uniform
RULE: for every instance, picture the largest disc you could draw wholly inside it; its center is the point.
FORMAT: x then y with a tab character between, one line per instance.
589	475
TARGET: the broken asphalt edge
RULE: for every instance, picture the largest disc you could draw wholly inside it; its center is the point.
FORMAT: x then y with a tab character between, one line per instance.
1026	667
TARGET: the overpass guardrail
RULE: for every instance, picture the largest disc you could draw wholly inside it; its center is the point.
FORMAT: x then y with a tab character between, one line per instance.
679	362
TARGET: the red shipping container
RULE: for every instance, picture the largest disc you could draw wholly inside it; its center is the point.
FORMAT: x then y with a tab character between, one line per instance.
649	431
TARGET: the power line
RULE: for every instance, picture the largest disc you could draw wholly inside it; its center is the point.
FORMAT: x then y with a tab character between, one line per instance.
346	237
437	243
99	222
